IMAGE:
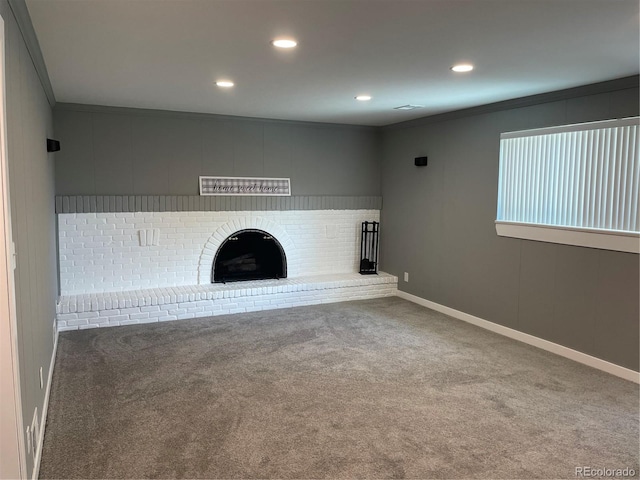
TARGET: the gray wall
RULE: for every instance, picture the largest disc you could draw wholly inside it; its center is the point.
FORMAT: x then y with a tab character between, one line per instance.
438	225
112	151
438	221
31	190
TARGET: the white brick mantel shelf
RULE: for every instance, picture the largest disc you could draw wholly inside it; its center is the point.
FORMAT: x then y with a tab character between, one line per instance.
95	310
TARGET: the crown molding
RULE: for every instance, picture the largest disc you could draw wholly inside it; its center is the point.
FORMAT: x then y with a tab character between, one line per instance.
88	108
23	19
581	91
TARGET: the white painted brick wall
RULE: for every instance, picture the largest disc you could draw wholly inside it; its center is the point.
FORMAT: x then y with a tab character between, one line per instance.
101	252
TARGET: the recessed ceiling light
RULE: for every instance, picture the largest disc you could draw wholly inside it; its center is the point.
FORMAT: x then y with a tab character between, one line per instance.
363	98
409	107
284	43
224	83
462	68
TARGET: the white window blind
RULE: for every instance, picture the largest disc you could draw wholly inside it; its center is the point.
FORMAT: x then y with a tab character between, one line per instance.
583	178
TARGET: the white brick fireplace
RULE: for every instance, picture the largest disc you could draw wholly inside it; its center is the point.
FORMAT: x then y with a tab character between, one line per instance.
115	266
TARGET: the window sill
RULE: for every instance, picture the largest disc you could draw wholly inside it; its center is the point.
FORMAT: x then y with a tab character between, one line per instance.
591	238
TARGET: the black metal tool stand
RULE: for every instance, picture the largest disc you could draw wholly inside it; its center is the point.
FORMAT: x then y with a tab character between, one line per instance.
369	248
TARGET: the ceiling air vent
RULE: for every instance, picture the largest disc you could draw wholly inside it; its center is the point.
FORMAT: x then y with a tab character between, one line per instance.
409	107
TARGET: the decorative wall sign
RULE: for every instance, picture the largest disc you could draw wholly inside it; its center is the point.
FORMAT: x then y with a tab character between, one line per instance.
280	187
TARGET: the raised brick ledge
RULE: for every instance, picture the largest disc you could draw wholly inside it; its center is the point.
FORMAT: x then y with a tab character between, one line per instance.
97	302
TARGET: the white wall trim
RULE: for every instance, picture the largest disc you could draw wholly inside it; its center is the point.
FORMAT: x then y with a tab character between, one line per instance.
603	239
563	351
45	409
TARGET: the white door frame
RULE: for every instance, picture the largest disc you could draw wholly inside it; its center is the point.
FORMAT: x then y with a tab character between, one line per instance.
12	443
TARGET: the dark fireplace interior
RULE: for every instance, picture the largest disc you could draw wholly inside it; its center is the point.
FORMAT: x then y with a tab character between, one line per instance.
249	255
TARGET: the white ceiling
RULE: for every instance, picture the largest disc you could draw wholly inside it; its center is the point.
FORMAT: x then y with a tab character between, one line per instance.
167	54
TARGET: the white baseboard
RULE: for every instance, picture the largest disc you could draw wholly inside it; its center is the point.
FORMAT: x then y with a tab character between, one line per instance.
45	408
566	352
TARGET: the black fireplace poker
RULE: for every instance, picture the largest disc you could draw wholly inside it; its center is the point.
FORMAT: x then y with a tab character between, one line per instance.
369	248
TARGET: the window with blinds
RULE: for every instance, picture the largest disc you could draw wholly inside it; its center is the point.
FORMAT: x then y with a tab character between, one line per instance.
574	184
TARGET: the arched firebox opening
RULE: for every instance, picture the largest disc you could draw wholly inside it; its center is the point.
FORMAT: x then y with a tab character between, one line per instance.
249	255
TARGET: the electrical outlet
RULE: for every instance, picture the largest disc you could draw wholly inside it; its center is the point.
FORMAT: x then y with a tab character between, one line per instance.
41	380
14	256
406	276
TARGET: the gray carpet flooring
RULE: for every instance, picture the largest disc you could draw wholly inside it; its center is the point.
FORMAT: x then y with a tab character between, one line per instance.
371	389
